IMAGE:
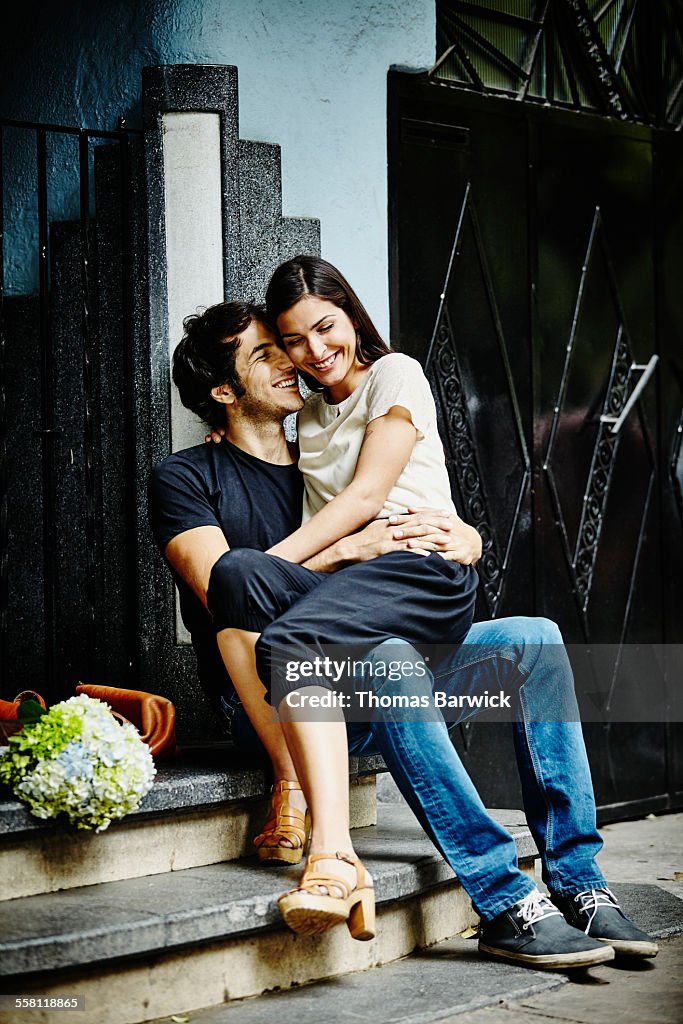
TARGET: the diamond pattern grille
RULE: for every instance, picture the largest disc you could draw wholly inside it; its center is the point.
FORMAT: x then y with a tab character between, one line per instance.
582	553
621	58
469	296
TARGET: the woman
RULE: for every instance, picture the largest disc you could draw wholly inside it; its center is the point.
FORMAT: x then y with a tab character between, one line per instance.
368	440
369	447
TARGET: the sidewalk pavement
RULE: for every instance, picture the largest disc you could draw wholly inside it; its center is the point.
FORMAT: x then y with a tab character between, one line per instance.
644	852
647	850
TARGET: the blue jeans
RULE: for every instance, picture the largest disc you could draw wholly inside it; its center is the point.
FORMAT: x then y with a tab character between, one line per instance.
525	658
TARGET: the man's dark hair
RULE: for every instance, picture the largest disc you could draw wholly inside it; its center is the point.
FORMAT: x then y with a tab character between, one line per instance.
205	357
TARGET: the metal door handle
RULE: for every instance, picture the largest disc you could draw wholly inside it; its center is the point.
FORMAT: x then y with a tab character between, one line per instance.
647	369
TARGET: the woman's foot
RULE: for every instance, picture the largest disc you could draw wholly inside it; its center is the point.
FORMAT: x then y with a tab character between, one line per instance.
335	888
342	869
287	830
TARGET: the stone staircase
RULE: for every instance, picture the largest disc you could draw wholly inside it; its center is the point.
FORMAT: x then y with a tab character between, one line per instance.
164	913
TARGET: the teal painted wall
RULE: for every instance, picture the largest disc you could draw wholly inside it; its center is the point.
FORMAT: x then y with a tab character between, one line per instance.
312	77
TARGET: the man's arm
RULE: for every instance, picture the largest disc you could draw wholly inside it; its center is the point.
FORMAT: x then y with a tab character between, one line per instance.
193	554
420	530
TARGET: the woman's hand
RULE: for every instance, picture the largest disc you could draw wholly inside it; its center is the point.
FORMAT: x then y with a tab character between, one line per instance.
438	530
420	530
217	434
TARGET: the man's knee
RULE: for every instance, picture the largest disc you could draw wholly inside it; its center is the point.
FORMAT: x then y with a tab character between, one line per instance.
394	667
528	630
543	631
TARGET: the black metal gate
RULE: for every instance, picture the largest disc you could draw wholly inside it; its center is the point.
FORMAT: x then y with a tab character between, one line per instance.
537	249
68	505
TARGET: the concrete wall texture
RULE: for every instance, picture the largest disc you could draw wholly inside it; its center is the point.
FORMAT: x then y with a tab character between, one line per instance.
312	77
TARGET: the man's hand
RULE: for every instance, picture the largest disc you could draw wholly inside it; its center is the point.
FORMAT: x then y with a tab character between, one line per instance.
445	532
419	530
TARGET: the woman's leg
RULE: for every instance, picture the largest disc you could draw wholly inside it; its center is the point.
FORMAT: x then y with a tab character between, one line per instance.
319	749
401	594
237	650
422	600
248	589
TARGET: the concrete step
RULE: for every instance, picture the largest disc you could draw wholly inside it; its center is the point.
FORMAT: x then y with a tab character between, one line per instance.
143	948
204	808
447	980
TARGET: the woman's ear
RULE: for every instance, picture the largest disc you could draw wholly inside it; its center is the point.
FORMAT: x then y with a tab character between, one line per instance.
223	393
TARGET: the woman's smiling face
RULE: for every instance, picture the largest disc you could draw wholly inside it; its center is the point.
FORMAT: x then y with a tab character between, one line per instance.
320	339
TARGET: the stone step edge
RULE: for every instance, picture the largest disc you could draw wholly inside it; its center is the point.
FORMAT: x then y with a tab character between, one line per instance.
444	984
210	973
447	982
42	861
183	785
107	922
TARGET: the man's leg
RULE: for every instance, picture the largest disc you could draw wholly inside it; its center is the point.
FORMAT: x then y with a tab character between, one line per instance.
526	659
520	924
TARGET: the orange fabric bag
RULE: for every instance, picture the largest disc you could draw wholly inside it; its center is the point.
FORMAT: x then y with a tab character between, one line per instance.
9	712
153	716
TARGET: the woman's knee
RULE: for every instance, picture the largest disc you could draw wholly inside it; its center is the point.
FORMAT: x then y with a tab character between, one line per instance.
236	596
238	566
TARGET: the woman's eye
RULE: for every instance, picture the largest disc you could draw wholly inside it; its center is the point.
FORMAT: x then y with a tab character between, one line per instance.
325	328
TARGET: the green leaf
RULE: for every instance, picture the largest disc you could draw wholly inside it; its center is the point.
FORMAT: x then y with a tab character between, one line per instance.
30	711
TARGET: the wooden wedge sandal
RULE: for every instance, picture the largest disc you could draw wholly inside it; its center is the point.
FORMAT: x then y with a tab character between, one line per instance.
307	911
284	822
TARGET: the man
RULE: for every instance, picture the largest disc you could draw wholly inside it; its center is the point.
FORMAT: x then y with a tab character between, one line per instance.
216	508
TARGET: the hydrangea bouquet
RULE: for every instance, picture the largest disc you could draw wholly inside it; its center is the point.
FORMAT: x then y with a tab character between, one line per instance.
76	759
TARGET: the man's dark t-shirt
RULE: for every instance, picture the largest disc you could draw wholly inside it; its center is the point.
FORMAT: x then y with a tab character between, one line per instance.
255	504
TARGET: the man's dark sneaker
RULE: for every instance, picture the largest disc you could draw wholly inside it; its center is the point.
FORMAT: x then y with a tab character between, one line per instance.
597	913
532	933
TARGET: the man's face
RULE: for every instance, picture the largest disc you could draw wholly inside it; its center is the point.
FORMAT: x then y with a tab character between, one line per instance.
271	389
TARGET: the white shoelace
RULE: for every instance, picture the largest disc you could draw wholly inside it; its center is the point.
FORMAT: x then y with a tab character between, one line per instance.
535	907
592	899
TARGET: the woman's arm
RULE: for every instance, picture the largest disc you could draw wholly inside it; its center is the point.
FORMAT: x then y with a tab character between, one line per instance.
387	446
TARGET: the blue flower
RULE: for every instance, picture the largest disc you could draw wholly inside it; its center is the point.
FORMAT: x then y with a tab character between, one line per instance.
76	761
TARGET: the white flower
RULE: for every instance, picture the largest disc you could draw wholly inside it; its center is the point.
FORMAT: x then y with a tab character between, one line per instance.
84	764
